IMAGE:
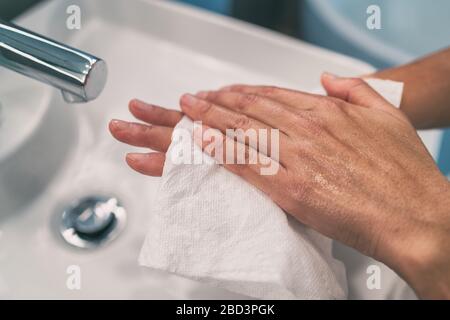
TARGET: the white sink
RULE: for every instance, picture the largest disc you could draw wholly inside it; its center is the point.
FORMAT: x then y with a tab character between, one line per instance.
155	50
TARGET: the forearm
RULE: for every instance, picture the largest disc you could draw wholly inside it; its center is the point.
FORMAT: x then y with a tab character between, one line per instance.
426	99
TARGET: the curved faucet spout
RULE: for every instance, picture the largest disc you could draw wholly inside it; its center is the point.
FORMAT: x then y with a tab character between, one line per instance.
80	76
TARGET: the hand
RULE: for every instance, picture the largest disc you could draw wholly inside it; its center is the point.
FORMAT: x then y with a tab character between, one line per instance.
353	170
155	135
427	106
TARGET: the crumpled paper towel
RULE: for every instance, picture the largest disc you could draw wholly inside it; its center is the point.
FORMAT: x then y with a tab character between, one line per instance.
212	226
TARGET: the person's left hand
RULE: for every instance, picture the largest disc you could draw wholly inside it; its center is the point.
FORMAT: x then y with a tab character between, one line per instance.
155	134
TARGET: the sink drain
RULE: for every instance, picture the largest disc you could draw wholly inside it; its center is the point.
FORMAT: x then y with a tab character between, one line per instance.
92	221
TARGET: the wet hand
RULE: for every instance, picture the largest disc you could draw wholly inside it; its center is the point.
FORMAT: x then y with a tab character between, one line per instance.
351	166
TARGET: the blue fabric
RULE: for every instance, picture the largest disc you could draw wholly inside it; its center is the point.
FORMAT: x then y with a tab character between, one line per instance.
444	155
220	6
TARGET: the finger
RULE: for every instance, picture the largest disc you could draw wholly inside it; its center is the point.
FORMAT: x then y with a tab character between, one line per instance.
154	114
140	135
238	126
270	113
266	174
240	159
355	91
150	164
293	98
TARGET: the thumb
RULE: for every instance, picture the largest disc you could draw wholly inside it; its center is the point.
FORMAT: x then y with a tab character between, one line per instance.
355	91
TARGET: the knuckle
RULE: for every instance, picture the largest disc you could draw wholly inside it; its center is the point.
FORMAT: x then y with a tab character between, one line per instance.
205	107
210	95
269	90
357	86
245	101
330	103
241	122
332	106
147	130
293	123
347	110
313	124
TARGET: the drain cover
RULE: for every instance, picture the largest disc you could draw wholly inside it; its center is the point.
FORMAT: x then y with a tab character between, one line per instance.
92	221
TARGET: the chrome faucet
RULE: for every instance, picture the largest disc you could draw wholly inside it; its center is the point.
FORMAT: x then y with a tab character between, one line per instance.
80	76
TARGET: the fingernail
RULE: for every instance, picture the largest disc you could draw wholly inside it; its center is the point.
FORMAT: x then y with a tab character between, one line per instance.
131	158
138	103
330	76
189	100
119	124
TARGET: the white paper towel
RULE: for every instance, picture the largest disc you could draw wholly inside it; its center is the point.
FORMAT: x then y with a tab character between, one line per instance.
212	226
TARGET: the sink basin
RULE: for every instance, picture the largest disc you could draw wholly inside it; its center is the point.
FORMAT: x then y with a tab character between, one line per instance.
155	50
17	121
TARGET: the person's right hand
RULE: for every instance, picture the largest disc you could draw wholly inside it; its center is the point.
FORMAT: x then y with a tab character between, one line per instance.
353	170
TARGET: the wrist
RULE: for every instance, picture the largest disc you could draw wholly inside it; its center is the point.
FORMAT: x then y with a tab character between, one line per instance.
423	256
427	267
